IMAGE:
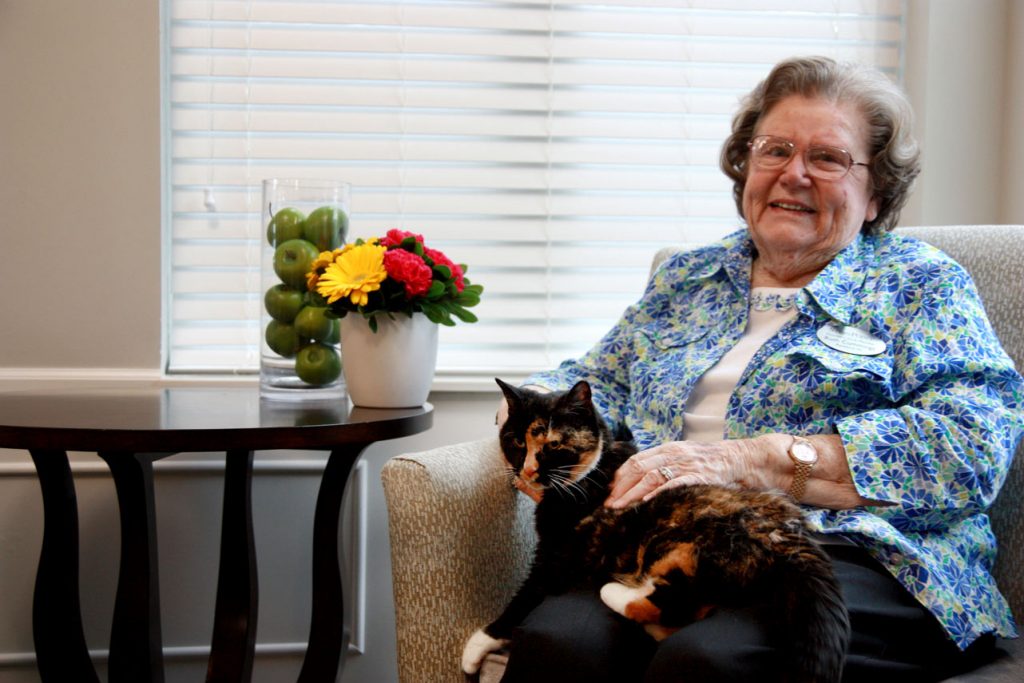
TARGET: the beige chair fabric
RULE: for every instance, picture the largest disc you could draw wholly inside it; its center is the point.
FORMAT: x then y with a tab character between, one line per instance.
461	538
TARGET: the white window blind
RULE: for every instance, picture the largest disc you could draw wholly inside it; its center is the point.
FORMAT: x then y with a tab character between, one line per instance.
551	146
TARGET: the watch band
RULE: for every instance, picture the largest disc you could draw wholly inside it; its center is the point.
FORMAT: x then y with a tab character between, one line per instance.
804	456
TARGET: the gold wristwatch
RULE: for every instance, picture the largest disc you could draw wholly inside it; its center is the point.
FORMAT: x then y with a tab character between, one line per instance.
804	456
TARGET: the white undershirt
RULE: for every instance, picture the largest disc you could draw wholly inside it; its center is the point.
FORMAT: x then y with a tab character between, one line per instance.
704	418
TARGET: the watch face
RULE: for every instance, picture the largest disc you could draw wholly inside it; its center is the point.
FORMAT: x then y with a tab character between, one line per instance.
804	452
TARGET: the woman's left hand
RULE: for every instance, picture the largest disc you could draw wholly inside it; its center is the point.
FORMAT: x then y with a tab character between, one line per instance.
681	463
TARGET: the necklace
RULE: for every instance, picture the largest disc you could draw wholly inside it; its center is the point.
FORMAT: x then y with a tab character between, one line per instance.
772	301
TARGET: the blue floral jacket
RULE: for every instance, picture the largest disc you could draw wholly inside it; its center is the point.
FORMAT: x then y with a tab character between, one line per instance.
929	425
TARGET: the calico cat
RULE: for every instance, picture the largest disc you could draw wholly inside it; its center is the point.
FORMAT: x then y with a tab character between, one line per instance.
666	562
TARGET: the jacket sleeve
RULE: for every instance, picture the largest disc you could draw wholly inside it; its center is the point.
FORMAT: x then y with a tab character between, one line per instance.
944	449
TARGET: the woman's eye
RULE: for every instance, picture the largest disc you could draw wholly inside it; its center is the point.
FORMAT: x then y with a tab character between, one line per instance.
831	157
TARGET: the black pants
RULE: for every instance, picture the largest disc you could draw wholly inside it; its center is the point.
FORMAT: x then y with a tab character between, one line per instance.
575	637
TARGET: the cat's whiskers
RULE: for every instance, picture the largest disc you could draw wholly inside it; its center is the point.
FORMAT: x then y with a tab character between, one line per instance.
560	485
568	485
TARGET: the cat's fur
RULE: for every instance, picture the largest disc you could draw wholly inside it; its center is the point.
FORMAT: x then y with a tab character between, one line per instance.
667	562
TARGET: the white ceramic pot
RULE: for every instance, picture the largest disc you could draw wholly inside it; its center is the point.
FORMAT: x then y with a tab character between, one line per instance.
392	368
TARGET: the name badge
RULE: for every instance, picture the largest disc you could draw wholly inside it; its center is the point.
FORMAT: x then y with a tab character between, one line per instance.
849	339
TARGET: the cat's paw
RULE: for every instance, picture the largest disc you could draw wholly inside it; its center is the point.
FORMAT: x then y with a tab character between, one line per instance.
616	596
477	647
624	599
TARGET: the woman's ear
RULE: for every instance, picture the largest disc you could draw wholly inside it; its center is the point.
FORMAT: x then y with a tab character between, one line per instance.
872	210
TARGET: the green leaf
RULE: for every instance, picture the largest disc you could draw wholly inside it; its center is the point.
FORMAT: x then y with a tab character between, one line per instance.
464	315
436	289
467	300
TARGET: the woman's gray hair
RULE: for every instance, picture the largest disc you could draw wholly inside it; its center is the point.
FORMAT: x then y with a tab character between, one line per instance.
895	158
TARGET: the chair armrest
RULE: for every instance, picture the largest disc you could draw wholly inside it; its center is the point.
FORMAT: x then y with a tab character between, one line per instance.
461	542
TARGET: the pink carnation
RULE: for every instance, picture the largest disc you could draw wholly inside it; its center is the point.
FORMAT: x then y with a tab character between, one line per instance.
409	269
395	237
440	259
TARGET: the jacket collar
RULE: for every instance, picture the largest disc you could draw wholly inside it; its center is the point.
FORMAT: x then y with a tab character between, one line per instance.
834	292
839	287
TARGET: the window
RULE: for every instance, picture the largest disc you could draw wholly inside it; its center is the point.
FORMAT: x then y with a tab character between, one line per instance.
551	146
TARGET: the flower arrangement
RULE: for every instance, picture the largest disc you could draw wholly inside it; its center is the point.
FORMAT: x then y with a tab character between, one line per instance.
393	274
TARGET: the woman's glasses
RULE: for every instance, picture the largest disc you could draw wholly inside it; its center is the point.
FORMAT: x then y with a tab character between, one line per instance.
827	163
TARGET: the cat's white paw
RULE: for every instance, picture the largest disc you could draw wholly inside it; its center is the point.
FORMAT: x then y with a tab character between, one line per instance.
477	647
618	596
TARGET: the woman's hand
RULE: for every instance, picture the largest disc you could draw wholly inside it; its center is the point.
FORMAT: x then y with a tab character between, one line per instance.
679	463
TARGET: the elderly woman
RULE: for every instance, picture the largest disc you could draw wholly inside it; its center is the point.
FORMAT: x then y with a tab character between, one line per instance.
817	353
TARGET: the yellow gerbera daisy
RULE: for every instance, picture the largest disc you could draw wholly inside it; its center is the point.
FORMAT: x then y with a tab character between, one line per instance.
321	262
355	273
325	259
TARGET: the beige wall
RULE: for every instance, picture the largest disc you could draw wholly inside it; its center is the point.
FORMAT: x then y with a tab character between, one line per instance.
1013	121
965	76
80	184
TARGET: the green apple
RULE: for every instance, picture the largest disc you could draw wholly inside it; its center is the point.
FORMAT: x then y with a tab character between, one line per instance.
282	338
335	336
318	364
292	261
326	227
311	323
283	303
285	225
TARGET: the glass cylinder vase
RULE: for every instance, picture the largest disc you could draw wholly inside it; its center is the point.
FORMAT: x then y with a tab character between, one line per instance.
300	350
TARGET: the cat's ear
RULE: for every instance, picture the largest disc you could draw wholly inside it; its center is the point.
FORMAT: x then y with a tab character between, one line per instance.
512	395
580	393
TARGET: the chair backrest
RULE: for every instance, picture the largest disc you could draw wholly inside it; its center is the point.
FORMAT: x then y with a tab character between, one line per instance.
994	256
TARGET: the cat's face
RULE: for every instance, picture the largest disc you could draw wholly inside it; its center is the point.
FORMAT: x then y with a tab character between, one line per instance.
550	440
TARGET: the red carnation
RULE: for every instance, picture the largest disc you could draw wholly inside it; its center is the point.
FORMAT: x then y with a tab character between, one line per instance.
409	269
440	259
395	237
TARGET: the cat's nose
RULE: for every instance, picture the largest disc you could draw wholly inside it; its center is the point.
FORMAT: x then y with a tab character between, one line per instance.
530	467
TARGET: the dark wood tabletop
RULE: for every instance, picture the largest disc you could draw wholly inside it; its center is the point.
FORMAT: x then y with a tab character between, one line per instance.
183	419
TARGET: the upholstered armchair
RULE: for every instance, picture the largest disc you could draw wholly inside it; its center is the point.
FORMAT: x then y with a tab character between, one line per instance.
461	538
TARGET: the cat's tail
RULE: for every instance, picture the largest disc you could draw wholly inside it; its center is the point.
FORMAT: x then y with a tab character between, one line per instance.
815	614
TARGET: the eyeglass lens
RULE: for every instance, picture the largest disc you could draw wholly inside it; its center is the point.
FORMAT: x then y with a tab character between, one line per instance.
825	162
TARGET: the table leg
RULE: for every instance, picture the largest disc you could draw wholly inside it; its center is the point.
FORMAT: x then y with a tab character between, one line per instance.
234	624
61	651
136	641
328	639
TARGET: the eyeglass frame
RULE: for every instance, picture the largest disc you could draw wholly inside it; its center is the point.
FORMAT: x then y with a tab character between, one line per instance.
811	169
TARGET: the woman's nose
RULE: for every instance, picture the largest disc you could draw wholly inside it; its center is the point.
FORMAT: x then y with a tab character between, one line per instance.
795	170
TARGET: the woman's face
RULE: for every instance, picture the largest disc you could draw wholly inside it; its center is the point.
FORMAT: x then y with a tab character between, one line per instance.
794	217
